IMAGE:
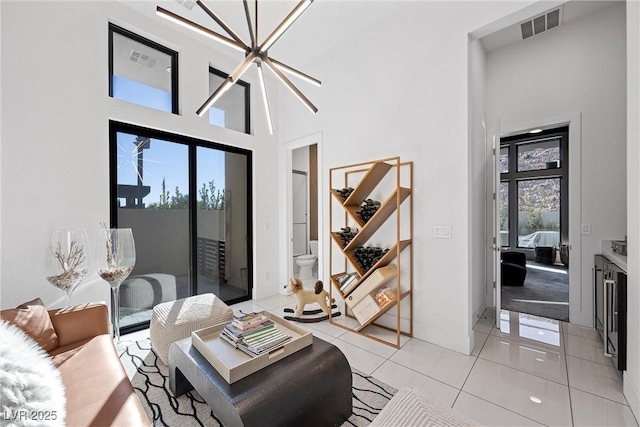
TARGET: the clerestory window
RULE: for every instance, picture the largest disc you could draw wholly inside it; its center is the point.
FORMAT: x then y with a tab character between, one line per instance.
142	71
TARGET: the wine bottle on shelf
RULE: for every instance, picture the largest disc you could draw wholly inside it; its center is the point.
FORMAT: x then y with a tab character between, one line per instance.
347	234
369	256
368	208
345	192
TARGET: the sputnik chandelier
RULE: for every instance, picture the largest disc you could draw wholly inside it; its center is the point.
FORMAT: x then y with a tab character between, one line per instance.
254	53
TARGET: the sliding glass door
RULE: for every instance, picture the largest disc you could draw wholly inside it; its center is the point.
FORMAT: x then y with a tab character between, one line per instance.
222	218
188	203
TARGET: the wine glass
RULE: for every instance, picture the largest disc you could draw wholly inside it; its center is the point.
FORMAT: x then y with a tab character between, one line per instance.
67	262
115	260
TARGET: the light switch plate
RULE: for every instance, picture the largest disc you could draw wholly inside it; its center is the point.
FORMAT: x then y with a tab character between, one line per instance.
585	229
442	231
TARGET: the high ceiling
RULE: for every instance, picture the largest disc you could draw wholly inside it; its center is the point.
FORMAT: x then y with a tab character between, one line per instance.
324	25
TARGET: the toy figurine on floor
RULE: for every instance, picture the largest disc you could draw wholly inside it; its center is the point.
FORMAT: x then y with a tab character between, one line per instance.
304	297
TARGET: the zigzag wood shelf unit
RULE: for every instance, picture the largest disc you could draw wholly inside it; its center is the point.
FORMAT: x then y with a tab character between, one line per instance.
380	284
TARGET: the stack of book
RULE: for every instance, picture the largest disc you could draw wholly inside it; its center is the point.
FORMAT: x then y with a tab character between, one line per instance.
348	281
254	333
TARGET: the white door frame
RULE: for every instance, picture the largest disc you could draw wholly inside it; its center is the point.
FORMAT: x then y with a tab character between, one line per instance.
496	246
577	312
286	160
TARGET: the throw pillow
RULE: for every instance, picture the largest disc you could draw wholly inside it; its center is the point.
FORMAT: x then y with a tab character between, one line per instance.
31	389
32	317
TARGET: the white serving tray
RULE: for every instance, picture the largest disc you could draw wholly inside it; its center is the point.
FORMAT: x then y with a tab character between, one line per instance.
233	364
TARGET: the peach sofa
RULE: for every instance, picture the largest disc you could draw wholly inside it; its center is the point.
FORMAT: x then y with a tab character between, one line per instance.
97	389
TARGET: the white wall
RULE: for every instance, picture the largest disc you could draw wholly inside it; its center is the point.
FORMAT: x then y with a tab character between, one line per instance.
576	69
400	88
631	380
480	163
55	116
300	159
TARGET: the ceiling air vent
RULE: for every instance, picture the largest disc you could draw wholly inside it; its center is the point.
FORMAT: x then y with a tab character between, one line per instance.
141	58
187	3
540	24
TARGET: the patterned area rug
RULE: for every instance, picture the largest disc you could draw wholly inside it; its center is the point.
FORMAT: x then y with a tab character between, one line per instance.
150	379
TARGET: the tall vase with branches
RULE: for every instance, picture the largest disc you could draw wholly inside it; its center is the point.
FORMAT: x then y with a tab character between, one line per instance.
67	263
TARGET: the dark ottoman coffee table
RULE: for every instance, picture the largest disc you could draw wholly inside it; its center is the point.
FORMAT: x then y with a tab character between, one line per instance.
311	387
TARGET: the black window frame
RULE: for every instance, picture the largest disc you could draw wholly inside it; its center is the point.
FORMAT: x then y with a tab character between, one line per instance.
193	143
154	45
247	97
513	176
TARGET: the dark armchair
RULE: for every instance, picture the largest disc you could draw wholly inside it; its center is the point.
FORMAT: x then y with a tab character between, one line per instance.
513	268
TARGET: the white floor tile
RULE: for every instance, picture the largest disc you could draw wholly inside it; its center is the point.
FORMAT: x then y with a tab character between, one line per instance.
586	348
541	400
536	359
531	320
375	347
530	329
489	312
488	414
485	324
346	321
590	410
275	301
399	376
358	358
385	335
322	336
580	331
434	361
479	340
595	378
327	328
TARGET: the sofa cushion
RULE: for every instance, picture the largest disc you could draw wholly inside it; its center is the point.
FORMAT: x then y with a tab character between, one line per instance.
98	389
32	317
31	391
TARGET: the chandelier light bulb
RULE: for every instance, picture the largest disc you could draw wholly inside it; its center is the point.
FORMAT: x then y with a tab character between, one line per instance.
177	19
284	25
226	84
265	100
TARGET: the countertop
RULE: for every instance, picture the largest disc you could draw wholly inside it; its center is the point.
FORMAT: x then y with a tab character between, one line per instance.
614	257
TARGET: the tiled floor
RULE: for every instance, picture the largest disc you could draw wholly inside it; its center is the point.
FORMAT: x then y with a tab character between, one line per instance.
531	371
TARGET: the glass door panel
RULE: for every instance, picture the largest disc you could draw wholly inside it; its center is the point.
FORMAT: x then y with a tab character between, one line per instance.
152	182
539	212
222	224
504	214
504	159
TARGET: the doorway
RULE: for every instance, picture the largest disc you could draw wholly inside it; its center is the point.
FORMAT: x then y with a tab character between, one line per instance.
302	180
533	202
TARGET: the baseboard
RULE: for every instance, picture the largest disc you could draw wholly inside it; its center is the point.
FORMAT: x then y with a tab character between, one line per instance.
631	393
478	313
442	337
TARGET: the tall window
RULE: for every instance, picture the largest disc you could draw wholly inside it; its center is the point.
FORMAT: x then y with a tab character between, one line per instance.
141	71
232	110
534	175
188	203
